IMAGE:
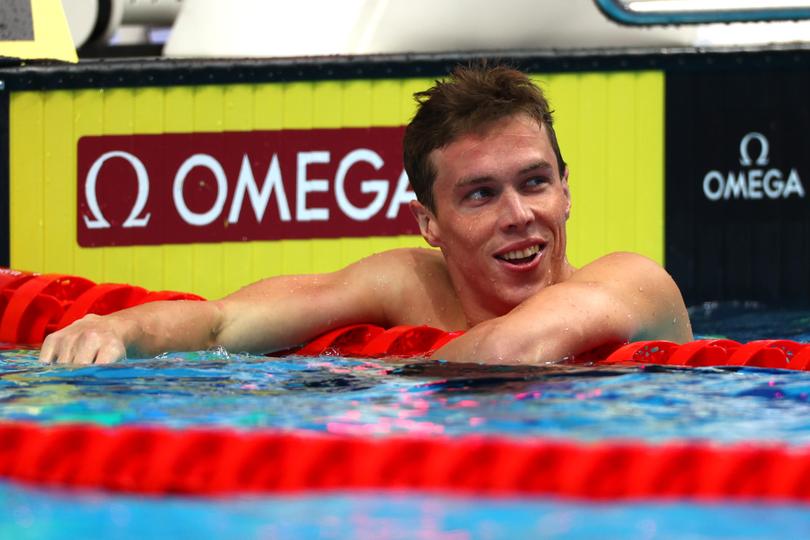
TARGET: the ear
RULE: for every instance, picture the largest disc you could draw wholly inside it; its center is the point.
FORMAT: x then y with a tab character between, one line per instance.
427	223
567	192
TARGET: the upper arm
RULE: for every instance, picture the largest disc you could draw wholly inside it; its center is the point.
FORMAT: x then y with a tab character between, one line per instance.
285	311
618	298
640	298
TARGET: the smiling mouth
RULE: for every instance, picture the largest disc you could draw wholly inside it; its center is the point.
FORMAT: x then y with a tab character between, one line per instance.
520	256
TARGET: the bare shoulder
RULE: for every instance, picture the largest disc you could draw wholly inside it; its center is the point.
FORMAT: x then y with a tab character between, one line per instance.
414	286
401	263
624	268
646	289
411	256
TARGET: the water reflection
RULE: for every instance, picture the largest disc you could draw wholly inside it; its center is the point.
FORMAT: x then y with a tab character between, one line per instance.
351	396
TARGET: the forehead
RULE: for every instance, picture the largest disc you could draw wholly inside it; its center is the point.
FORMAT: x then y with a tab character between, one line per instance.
502	148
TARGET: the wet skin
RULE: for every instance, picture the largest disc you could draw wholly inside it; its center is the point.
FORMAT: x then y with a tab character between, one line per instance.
500	274
499	193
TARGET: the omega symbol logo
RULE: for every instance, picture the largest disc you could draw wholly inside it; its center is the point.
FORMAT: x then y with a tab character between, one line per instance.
745	159
98	221
753	181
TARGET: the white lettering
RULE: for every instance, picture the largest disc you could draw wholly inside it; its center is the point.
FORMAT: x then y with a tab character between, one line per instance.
402	195
379	187
750	184
713	194
755	184
259	197
305	185
98	221
194	218
735	186
258	200
794	185
773	183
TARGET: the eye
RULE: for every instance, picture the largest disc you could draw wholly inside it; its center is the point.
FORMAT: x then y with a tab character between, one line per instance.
536	182
479	194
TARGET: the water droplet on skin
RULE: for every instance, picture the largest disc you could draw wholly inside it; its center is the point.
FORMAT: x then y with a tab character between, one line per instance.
641	289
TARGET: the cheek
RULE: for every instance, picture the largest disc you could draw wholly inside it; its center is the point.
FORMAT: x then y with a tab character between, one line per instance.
465	240
472	231
558	211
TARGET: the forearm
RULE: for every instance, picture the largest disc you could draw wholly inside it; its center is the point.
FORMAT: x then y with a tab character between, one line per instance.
271	314
495	342
286	311
560	322
157	327
548	328
143	330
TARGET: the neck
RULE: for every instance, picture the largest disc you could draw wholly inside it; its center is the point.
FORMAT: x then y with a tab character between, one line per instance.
478	307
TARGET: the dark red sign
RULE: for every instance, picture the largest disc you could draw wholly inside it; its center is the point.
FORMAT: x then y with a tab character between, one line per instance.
235	186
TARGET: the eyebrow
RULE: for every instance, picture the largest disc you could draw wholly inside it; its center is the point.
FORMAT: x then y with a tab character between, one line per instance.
540	166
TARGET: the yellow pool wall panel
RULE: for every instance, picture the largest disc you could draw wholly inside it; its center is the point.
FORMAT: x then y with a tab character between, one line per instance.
610	127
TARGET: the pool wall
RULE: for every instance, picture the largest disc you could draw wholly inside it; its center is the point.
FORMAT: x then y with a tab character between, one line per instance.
656	143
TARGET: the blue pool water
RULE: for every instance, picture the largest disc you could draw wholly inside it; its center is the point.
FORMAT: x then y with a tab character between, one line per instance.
350	396
37	514
375	398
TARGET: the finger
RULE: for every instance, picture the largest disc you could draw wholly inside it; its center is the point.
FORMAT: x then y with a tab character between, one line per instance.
64	355
47	351
86	349
110	353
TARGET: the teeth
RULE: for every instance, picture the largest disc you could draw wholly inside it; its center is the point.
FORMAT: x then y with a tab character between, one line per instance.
521	253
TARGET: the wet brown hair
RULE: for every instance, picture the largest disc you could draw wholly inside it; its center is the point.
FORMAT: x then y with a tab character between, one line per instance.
468	101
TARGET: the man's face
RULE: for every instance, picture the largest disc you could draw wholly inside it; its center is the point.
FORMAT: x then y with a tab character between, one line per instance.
501	207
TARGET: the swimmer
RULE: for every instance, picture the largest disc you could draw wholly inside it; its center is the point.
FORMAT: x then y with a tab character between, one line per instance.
493	196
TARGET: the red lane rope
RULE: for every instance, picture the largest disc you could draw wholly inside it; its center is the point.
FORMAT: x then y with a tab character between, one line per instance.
160	461
364	340
34	305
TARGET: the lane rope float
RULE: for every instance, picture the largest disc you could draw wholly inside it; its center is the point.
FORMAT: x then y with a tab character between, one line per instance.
34	305
216	462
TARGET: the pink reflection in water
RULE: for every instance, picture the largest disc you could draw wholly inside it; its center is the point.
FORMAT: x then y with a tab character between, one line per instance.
467	403
385	425
592	394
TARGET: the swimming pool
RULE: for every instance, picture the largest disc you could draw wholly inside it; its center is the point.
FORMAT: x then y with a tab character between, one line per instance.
379	400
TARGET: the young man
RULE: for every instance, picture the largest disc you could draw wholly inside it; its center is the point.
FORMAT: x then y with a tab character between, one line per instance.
492	191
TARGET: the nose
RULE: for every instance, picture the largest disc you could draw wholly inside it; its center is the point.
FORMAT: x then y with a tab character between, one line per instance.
515	212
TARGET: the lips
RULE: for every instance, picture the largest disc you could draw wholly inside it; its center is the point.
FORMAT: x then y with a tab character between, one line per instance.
520	256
